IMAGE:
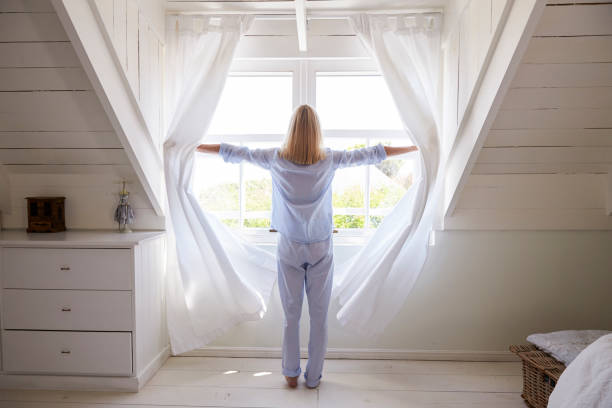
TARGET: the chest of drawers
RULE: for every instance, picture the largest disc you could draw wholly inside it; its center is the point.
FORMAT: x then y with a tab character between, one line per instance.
81	310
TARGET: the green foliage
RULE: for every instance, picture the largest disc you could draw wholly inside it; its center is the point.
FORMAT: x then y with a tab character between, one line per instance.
349	221
258	194
386	196
222	197
257	222
351	197
390	167
376	220
230	222
357	146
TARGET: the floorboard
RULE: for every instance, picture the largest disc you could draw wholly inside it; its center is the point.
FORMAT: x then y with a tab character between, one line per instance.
257	382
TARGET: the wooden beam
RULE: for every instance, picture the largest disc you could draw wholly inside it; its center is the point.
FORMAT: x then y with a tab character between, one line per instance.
300	20
517	31
106	76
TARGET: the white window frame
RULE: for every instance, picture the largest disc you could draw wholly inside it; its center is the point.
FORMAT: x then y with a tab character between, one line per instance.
304	71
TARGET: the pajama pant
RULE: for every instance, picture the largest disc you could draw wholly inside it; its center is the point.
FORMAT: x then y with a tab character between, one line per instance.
310	266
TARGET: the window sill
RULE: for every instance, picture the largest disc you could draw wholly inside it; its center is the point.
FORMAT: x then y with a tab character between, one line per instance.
262	236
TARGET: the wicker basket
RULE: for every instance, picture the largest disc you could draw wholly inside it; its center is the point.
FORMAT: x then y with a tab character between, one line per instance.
540	374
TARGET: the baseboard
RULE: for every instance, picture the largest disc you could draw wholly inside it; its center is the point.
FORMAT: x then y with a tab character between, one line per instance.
360	354
149	371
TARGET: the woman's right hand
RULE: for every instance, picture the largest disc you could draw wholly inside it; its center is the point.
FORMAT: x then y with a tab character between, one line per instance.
208	148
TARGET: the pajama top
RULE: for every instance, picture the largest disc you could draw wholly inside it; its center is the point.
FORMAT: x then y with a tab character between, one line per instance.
301	194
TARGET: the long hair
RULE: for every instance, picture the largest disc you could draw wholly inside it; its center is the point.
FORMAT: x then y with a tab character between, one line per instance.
304	141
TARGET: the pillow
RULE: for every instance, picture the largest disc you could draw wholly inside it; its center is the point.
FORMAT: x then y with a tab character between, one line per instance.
565	345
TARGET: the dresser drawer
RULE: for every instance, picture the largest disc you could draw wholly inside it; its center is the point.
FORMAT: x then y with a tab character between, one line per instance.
99	310
50	268
67	352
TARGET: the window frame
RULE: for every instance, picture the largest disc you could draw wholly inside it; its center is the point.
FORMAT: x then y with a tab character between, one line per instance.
304	73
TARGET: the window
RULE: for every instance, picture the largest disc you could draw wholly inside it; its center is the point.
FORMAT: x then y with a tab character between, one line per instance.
360	104
356	110
254	111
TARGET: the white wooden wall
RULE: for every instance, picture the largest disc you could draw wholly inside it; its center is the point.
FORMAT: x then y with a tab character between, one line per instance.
471	33
55	138
547	161
139	47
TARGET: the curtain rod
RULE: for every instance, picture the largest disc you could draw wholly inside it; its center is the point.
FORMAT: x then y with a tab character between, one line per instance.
319	14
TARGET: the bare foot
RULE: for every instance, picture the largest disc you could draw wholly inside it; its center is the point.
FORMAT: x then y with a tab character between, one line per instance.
291	381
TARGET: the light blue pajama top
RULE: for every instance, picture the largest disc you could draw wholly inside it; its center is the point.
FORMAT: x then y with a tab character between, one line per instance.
301	194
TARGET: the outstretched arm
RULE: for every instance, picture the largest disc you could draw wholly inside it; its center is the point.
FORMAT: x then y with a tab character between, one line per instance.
394	151
367	155
208	148
236	154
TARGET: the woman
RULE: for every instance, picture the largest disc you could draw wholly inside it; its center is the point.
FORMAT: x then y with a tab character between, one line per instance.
302	172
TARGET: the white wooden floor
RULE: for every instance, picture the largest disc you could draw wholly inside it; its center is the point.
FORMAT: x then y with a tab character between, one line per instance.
254	382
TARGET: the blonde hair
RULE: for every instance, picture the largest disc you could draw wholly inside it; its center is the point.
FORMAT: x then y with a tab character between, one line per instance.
304	141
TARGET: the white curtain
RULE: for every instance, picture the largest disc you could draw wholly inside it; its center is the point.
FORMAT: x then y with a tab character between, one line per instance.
373	285
215	279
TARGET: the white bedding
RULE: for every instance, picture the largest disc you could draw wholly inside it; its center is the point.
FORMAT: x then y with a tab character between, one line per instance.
587	381
565	345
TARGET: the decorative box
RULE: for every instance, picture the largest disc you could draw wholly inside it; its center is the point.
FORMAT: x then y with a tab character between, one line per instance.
46	214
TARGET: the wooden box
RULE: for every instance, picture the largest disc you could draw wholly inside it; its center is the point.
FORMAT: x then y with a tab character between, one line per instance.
46	214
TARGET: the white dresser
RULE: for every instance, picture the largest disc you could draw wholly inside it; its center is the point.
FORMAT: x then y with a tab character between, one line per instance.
82	309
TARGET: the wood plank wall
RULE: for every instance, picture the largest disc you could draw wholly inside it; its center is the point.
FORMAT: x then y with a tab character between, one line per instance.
469	41
546	162
139	48
55	138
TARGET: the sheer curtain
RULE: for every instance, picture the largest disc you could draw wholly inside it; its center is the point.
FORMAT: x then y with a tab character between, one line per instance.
372	286
214	278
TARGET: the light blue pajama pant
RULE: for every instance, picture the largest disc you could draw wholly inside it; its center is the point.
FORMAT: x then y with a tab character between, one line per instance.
310	266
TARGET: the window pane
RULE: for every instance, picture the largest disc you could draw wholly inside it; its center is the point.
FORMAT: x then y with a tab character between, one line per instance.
254	104
389	181
257	191
355	102
348	188
216	186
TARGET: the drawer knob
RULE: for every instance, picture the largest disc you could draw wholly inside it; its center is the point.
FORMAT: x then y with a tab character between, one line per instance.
66	309
64	268
65	351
